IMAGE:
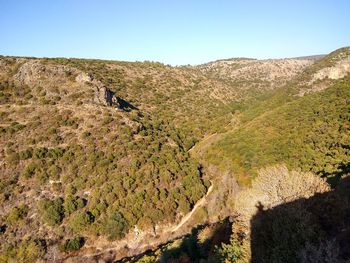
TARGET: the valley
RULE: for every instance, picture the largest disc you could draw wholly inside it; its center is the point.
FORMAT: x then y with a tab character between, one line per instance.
105	161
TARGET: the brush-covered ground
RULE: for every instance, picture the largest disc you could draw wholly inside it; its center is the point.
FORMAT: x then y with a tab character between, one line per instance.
294	212
81	177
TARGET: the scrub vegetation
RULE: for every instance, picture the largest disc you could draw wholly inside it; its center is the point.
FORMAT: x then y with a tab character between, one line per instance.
78	167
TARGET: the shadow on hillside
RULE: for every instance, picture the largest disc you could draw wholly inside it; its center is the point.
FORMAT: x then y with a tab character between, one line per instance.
124	105
306	230
335	177
197	246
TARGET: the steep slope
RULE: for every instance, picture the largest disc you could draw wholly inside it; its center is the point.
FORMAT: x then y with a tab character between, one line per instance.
94	148
286	215
74	168
99	154
309	133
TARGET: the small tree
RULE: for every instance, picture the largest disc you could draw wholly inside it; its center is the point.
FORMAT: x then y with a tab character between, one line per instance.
17	213
70	204
116	226
80	221
229	252
52	211
74	244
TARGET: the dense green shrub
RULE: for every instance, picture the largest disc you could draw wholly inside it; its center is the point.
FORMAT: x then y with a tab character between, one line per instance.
26	251
115	226
80	220
70	204
52	211
74	244
17	213
30	170
231	252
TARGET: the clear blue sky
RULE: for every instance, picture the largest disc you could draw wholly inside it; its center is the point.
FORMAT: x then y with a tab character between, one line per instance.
173	32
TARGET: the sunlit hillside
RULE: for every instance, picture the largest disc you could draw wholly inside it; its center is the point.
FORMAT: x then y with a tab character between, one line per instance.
105	160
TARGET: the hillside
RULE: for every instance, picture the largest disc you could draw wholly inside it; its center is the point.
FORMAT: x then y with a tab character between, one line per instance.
309	132
251	74
288	214
73	165
102	160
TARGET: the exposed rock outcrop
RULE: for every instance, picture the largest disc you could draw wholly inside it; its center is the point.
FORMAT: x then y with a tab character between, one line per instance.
105	97
340	70
83	78
322	79
102	94
265	74
35	72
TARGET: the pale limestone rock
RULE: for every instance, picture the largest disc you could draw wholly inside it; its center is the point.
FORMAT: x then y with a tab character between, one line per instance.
338	71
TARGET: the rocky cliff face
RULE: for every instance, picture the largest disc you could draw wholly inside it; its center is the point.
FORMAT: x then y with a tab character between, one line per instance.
102	94
66	80
340	70
335	66
35	72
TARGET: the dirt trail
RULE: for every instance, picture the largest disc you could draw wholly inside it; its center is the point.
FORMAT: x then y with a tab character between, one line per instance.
139	245
200	203
144	241
199	148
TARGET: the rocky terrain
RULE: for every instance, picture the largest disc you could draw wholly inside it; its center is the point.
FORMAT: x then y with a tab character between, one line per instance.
256	74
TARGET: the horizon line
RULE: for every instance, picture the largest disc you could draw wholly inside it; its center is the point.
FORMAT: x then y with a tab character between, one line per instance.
175	65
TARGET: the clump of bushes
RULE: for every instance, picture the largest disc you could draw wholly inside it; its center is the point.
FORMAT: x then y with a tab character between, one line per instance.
115	226
25	251
80	221
17	214
52	211
74	244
